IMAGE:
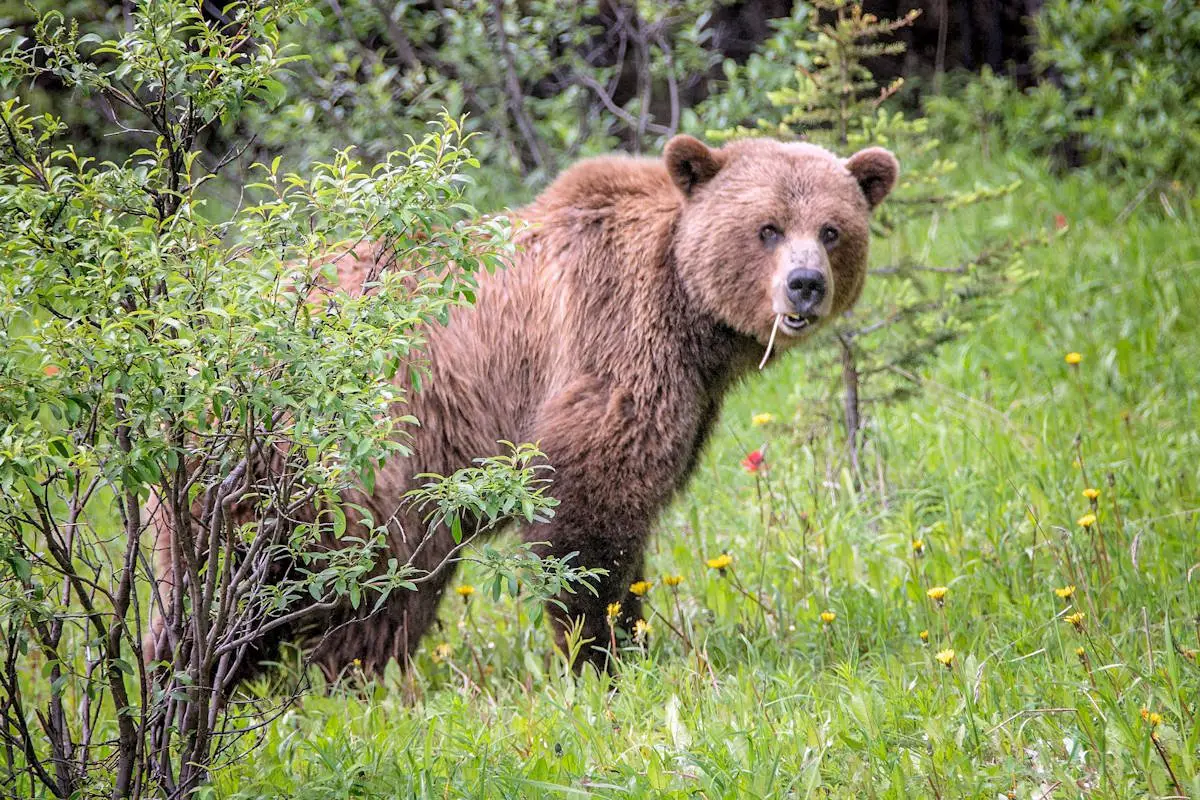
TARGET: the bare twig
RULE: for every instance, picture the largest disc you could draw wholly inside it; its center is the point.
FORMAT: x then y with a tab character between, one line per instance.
672	84
619	112
512	88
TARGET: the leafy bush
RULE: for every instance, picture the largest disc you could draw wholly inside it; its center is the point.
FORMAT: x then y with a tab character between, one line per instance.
1119	85
1130	73
738	93
549	82
992	109
157	351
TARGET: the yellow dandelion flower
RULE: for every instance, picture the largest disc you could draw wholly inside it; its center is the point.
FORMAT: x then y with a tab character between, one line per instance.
1073	359
938	593
442	652
1065	592
918	546
758	420
720	562
1091	494
1086	521
642	630
465	591
357	663
1152	718
672	580
945	658
614	611
924	636
828	617
640	588
1079	652
1075	619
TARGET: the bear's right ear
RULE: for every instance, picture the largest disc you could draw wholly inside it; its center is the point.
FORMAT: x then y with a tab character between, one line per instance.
690	162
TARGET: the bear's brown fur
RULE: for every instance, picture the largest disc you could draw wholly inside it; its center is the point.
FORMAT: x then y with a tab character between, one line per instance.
641	288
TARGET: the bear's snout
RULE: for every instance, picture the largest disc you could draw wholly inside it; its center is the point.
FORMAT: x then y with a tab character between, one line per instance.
805	290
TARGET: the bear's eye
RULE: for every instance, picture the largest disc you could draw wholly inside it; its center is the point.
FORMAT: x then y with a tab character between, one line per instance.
769	234
829	235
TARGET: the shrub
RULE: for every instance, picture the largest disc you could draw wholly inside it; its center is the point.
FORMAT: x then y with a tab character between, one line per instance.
549	82
1118	88
153	345
1130	73
991	109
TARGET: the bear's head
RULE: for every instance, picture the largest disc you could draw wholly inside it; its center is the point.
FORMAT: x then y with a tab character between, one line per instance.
774	234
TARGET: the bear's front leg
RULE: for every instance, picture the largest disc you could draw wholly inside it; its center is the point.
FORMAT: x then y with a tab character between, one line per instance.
611	541
612	475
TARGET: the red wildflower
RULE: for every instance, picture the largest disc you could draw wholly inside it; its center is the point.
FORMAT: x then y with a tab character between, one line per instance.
754	462
1060	221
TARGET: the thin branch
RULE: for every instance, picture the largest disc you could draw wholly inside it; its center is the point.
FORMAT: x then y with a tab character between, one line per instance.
392	31
512	88
672	84
622	114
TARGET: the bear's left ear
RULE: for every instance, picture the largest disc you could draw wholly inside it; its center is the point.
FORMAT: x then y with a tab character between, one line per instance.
875	169
690	162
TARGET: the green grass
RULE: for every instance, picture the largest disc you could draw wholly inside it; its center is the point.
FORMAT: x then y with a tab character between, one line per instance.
983	466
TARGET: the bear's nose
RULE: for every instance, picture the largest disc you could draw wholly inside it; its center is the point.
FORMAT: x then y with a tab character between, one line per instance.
805	290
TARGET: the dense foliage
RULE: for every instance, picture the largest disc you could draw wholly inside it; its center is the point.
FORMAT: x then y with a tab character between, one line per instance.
1119	82
550	82
158	355
1130	75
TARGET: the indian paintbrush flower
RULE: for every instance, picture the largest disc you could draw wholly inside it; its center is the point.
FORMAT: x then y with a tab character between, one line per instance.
755	461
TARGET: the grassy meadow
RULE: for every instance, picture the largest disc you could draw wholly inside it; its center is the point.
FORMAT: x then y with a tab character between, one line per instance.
819	663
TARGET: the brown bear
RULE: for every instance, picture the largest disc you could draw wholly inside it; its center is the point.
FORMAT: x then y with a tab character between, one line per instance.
640	290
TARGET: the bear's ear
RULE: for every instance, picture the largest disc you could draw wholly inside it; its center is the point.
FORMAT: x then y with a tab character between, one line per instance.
875	169
690	163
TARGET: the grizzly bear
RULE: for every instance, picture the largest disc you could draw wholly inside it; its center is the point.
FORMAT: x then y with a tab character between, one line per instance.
639	291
